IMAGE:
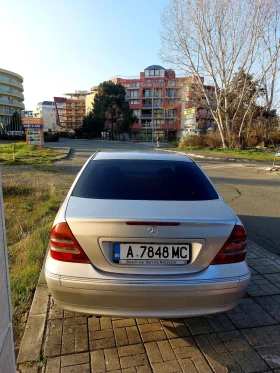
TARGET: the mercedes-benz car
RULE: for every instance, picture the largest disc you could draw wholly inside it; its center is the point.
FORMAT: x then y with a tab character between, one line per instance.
146	234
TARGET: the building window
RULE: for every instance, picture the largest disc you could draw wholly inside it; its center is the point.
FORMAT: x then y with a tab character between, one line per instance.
171	93
147	93
158	113
172	83
170	121
135	102
154	73
135	93
171	113
158	121
157	103
157	93
136	113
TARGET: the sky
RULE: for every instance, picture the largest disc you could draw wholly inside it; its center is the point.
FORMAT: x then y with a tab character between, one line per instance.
66	45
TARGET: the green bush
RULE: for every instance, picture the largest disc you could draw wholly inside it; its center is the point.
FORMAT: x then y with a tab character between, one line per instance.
17	137
51	137
275	137
209	140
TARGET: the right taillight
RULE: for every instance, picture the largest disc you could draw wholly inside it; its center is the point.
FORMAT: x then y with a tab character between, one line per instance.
234	250
64	246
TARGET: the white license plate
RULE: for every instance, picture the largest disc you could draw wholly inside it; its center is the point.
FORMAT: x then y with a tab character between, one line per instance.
151	254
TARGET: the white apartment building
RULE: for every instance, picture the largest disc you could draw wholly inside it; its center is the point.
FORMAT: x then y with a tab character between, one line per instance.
46	110
27	113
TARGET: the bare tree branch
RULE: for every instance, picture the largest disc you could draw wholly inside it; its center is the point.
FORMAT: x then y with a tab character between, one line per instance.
217	39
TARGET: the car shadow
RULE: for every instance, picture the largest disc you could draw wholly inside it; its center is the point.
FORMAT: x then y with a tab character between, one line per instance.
263	230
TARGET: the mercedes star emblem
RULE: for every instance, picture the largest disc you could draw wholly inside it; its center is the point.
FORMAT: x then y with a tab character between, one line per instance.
153	230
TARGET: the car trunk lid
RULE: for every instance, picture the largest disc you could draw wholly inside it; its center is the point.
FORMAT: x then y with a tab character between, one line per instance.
99	224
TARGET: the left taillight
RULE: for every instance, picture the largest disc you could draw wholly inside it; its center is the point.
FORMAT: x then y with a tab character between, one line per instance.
234	249
63	245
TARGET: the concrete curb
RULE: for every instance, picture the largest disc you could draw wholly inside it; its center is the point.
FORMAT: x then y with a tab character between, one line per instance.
192	155
31	344
261	166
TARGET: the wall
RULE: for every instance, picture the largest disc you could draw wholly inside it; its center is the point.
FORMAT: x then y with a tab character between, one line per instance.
7	362
47	112
49	119
89	101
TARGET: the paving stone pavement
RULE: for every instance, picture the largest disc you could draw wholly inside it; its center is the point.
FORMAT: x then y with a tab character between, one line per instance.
246	339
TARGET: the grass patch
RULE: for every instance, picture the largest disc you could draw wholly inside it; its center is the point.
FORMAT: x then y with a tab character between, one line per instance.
255	154
21	153
29	214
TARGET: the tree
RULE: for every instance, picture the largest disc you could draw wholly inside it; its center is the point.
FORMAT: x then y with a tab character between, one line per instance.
16	122
125	119
269	65
216	39
109	103
93	125
255	119
243	108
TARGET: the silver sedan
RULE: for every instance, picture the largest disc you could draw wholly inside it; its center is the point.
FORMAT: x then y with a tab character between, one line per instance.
146	234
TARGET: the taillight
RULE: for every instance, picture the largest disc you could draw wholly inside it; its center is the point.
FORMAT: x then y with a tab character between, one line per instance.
63	245
234	250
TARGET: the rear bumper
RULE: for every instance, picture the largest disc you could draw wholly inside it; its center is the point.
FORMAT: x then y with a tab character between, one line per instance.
164	299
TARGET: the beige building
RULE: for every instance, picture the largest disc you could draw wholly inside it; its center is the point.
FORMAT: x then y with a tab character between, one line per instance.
89	99
11	97
71	110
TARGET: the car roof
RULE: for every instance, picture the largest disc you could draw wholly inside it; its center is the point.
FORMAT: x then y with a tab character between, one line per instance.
144	155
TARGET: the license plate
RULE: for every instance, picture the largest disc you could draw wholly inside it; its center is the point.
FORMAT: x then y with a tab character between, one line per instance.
151	254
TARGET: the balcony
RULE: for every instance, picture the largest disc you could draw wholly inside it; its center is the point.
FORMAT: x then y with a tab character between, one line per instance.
171	95
156	115
172	83
149	125
5	112
10	81
150	105
76	107
150	95
11	92
75	114
131	86
17	104
133	97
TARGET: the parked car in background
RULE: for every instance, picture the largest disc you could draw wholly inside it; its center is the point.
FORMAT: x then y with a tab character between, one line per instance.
146	234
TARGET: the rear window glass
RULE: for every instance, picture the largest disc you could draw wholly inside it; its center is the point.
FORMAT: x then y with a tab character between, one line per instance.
144	180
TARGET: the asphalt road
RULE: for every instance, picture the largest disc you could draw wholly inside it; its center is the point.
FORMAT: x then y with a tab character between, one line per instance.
253	194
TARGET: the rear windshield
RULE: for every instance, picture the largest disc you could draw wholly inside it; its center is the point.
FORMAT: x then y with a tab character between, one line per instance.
144	180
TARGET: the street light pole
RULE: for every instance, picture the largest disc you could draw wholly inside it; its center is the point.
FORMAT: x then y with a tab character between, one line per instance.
152	115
